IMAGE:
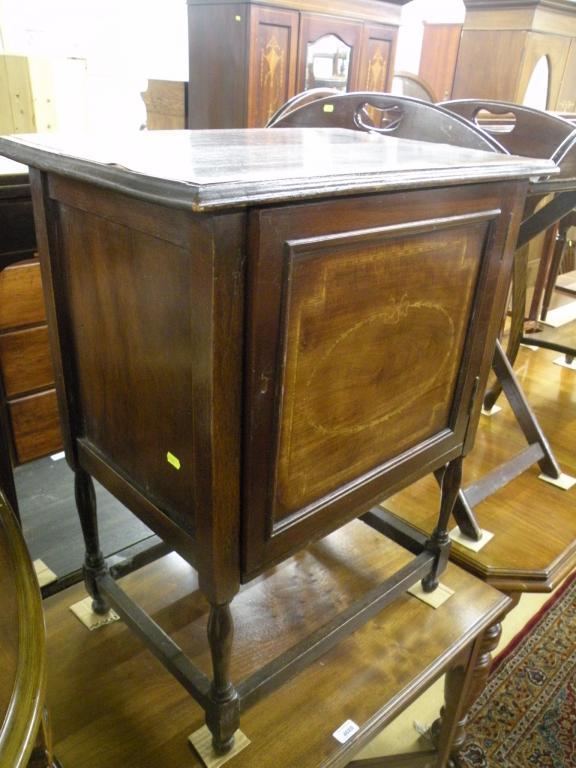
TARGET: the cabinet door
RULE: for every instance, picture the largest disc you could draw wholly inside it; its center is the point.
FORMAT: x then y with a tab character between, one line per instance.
329	53
272	63
377	58
368	325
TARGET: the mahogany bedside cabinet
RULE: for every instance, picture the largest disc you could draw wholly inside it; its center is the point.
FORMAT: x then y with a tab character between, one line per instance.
258	335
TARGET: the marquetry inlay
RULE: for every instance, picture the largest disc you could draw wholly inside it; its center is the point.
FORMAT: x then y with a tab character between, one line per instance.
370	361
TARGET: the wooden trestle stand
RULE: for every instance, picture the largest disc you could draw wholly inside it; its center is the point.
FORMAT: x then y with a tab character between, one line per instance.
260	334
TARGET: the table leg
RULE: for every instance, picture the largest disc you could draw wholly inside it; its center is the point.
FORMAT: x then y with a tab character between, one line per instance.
223	712
94	563
479	672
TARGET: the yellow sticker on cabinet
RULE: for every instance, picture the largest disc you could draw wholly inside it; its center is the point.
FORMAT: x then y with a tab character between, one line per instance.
328	108
238	18
174	460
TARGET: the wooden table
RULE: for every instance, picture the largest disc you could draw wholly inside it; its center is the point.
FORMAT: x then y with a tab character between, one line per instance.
258	335
22	653
368	678
534	525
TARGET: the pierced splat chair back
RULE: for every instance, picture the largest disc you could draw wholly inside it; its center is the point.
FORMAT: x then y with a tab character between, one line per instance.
389	115
522	130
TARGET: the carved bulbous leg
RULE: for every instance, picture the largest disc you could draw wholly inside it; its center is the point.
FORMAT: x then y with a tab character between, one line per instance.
489	641
223	714
94	563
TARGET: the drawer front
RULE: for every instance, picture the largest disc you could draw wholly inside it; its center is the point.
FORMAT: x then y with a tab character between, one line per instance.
35	426
367	328
26	362
21	299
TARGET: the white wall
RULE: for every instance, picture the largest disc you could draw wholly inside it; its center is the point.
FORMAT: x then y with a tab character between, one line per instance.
414	15
121	43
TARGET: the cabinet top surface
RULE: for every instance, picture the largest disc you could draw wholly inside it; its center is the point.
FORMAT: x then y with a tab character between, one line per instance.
227	168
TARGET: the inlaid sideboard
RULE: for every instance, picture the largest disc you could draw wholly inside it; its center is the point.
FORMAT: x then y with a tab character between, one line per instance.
260	334
248	58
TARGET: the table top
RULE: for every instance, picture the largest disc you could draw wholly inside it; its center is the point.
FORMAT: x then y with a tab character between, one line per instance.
22	642
368	677
223	168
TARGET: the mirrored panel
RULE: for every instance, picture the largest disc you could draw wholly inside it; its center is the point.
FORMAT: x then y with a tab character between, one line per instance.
328	63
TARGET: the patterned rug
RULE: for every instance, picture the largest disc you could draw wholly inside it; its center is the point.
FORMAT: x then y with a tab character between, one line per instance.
526	716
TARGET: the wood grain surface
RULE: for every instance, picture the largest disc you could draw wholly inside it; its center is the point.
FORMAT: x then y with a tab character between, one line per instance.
367	678
533	522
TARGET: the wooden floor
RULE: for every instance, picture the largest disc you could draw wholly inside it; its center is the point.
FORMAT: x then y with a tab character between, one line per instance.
103	714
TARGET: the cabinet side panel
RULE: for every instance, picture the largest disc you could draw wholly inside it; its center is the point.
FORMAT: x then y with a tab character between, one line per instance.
130	320
217	49
488	65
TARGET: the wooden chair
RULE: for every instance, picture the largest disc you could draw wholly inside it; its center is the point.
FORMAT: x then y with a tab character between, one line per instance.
526	132
521	130
24	733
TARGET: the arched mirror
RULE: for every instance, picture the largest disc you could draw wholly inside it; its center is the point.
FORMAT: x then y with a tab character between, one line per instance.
536	95
328	63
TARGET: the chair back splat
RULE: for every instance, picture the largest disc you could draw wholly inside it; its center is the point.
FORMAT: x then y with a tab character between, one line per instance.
522	130
386	114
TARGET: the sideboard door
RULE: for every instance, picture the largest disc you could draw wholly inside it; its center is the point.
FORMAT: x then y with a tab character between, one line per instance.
377	58
272	62
368	325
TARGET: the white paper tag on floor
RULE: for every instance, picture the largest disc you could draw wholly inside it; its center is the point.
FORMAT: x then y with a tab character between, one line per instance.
492	412
531	347
436	598
560	315
201	740
83	611
58	456
565	482
562	361
465	541
44	575
346	731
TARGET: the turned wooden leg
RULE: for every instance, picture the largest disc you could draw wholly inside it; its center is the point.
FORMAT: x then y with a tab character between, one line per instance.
479	676
223	714
94	560
439	542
